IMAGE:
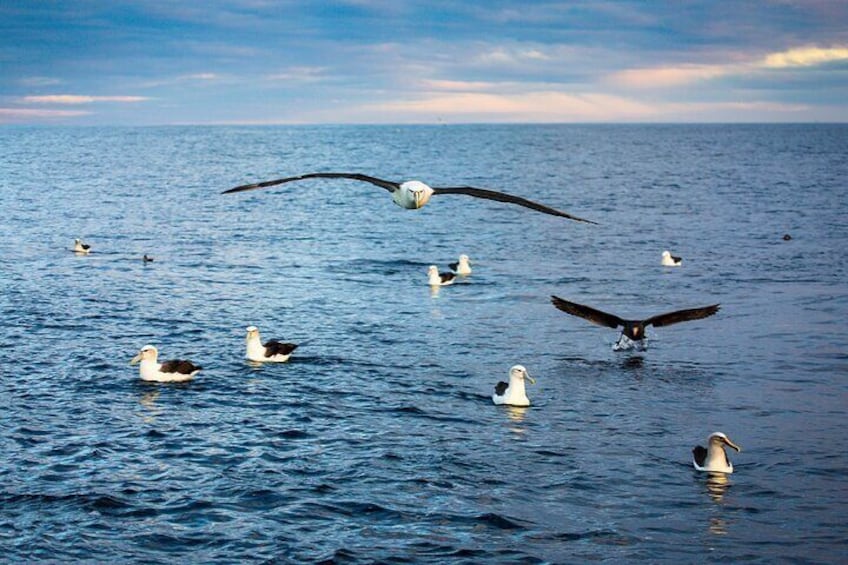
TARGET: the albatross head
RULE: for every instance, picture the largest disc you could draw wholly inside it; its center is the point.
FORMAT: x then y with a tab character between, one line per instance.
252	333
147	352
719	440
519	373
412	194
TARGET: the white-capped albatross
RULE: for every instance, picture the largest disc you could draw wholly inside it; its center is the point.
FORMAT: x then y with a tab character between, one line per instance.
174	371
714	458
669	260
513	393
271	351
415	194
461	267
80	247
633	331
435	278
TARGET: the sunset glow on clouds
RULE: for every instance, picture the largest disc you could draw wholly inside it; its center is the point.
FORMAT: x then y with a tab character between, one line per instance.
242	61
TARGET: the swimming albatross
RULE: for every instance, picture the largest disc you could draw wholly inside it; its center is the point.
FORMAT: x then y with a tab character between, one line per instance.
272	351
633	331
714	458
435	278
174	371
669	260
415	194
513	393
80	247
461	267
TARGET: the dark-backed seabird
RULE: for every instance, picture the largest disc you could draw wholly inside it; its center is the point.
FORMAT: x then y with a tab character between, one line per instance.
669	260
513	393
787	237
271	351
713	458
174	371
633	331
435	278
415	194
147	258
462	267
80	247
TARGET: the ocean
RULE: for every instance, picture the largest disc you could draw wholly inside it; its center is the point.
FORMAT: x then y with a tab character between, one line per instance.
378	442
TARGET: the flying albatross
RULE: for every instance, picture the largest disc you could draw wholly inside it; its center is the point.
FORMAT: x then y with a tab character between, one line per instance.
174	371
415	194
271	351
633	331
714	458
513	393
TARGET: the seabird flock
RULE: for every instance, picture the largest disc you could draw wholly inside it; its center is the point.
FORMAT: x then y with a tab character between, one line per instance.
415	194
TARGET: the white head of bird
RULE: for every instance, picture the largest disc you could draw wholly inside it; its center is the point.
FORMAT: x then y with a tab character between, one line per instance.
517	375
255	349
412	194
433	275
147	354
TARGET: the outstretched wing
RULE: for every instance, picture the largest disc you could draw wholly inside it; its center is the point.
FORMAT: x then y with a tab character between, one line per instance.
502	197
587	313
682	316
387	184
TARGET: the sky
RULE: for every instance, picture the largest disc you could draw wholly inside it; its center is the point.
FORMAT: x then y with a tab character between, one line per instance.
160	62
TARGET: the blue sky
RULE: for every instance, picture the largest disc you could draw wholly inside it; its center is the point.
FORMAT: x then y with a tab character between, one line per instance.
406	61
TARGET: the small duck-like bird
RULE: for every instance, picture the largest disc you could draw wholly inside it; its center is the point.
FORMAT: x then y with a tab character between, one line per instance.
415	194
435	278
80	247
669	260
461	267
633	331
713	458
174	371
271	351
513	393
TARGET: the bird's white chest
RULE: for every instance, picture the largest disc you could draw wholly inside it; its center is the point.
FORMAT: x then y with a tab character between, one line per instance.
412	194
515	395
255	350
717	461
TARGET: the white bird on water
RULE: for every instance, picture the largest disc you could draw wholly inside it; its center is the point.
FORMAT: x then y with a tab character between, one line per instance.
174	371
435	278
513	393
271	351
415	194
462	267
714	458
669	260
80	247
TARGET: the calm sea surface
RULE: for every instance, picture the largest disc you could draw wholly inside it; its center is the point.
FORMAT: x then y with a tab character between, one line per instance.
379	442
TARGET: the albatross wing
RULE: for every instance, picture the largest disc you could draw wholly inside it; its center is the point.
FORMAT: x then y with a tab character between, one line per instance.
587	313
682	315
387	184
502	197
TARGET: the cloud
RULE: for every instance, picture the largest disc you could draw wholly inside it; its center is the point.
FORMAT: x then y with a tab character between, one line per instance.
298	74
74	99
36	82
9	115
454	85
805	57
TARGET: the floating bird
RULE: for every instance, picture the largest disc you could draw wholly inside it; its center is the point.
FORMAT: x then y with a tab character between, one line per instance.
669	260
787	237
462	267
633	331
714	458
435	278
513	393
174	371
80	247
415	194
147	259
271	351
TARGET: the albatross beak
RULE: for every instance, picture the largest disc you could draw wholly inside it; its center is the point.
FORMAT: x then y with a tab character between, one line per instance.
731	444
135	359
531	379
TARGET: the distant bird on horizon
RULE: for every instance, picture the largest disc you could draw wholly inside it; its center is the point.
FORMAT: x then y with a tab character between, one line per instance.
461	267
272	351
415	194
633	331
714	458
435	278
513	392
669	260
80	247
174	371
